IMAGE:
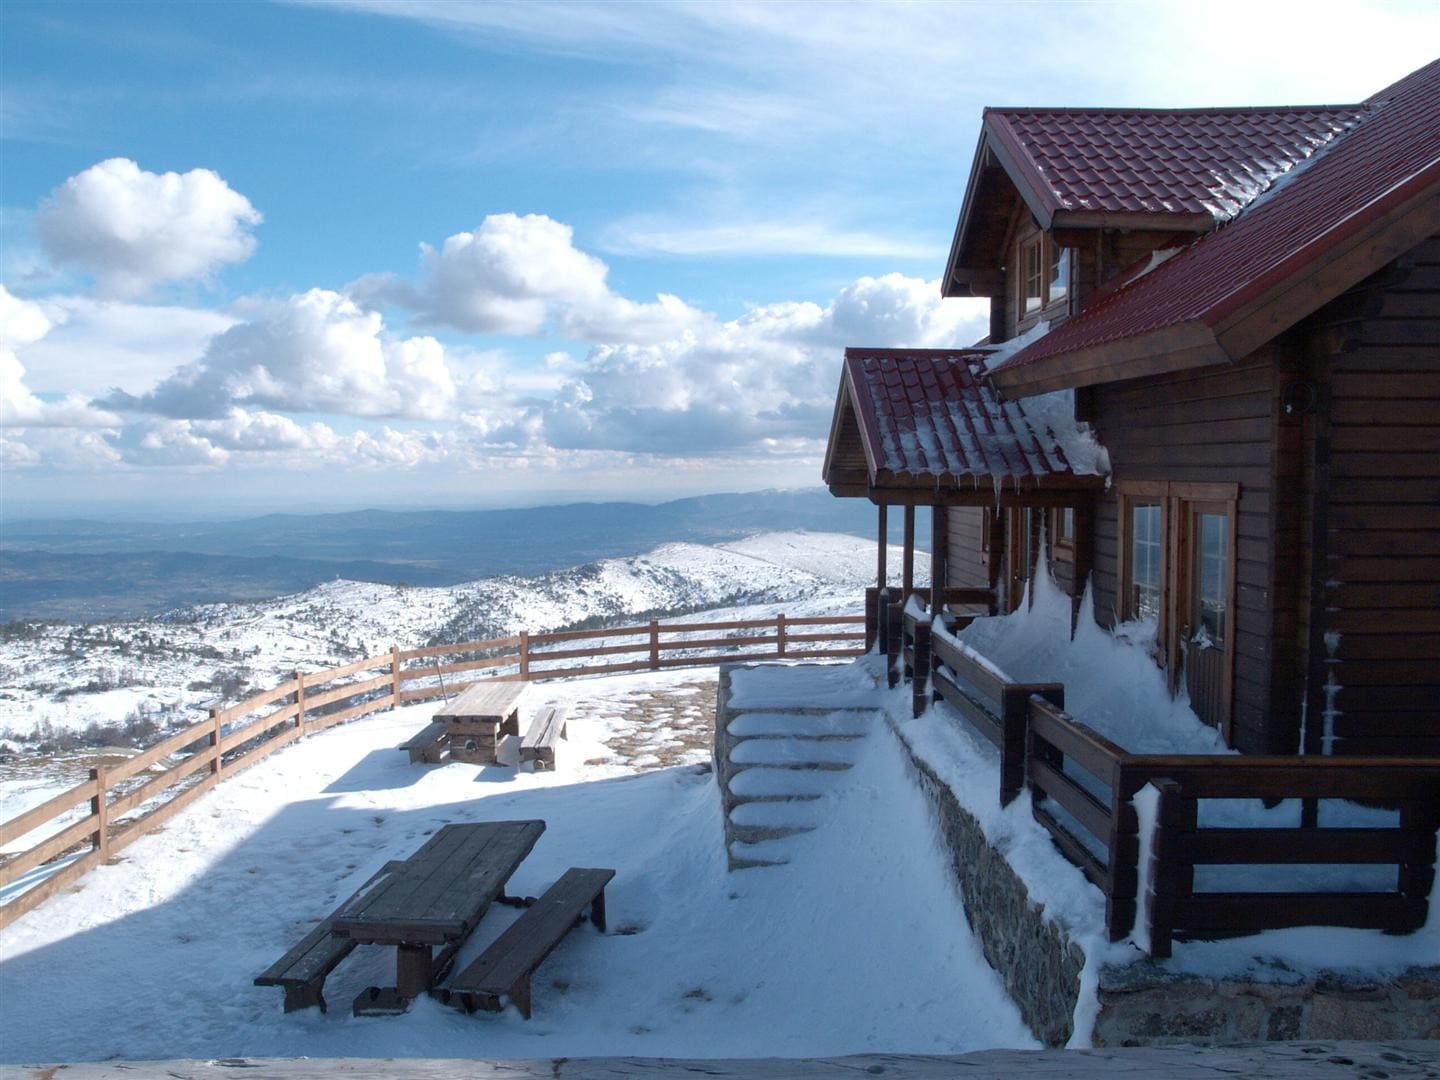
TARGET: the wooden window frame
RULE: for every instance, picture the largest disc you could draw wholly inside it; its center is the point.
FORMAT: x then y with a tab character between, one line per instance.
1130	494
1036	245
1179	502
1044	247
1188	502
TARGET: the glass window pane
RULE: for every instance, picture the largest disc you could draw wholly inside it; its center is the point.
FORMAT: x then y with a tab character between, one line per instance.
1031	280
1211	574
1145	561
1067	524
1059	273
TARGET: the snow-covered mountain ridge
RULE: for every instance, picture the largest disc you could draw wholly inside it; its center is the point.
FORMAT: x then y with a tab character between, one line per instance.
68	677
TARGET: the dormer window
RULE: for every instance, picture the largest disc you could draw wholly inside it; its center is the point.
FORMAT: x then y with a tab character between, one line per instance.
1044	276
1059	283
1032	284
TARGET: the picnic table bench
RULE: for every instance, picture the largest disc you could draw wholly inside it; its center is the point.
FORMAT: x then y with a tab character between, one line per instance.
428	745
538	745
302	970
476	719
504	969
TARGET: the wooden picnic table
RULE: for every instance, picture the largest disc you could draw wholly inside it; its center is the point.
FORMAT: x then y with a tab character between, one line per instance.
476	719
435	898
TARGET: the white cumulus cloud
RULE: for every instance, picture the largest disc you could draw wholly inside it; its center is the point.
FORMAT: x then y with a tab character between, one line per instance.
23	323
314	352
765	380
523	275
135	229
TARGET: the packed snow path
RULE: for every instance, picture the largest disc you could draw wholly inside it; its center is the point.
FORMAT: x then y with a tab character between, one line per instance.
858	945
784	738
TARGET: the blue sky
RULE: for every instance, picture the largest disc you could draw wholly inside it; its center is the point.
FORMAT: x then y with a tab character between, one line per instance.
331	255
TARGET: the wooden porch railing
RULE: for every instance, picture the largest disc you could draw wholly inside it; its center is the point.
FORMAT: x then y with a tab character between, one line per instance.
1083	789
92	821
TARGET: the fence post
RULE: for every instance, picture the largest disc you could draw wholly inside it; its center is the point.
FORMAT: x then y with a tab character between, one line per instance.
215	734
1168	879
394	676
300	702
780	634
101	811
524	655
920	666
1417	873
1123	902
654	643
885	630
872	618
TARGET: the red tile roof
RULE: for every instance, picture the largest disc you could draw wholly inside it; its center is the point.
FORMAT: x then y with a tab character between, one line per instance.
1386	162
928	415
1160	161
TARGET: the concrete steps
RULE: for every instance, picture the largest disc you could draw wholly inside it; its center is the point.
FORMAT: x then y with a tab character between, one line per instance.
778	756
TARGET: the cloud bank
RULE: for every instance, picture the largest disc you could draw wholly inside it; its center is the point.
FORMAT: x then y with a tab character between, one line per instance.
301	381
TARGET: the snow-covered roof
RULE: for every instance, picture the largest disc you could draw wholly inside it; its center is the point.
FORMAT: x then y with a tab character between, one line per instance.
925	418
1365	197
1160	161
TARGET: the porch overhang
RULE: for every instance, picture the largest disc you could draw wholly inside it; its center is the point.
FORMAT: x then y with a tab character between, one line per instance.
921	427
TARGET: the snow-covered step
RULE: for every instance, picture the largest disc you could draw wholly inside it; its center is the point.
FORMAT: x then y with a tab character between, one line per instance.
784	738
836	725
819	691
764	782
793	814
744	854
794	753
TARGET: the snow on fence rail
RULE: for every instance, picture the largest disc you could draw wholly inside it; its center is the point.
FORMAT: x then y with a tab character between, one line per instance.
120	803
1084	789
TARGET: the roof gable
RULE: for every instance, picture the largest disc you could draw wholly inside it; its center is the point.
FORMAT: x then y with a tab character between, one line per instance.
1367	197
1170	169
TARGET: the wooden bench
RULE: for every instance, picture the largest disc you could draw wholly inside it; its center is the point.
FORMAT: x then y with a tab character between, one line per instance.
428	745
538	745
303	969
506	966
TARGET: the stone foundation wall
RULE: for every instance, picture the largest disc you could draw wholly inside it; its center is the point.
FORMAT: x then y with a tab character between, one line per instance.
1038	963
1145	1003
1142	1004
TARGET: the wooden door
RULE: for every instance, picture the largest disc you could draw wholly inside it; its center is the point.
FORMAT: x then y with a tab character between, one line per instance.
1205	608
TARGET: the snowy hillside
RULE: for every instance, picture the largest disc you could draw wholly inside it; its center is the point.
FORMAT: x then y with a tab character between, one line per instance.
65	678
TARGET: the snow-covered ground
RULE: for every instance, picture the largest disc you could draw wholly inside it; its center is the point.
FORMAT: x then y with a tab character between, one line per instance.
63	677
859	944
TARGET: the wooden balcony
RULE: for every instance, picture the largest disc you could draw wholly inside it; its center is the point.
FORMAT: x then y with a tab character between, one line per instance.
1083	790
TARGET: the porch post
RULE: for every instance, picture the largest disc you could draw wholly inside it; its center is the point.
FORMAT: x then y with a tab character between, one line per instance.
937	559
908	567
881	544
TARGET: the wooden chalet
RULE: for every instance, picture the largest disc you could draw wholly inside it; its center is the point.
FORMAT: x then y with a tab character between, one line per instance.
1241	308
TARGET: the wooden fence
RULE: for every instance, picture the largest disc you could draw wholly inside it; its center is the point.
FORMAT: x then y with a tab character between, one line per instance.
1083	789
87	824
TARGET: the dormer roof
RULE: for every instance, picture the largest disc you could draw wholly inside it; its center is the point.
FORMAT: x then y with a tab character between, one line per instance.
1182	170
1365	198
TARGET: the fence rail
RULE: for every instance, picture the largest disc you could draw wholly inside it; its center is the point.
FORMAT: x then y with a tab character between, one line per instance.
84	826
1083	790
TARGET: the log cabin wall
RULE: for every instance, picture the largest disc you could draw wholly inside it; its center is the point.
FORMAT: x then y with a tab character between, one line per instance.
1375	354
968	561
1208	426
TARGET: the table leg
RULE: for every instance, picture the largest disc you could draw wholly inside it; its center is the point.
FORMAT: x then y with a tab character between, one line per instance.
413	972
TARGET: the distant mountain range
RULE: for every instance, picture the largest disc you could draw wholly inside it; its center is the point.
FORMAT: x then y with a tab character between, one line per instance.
81	570
127	676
